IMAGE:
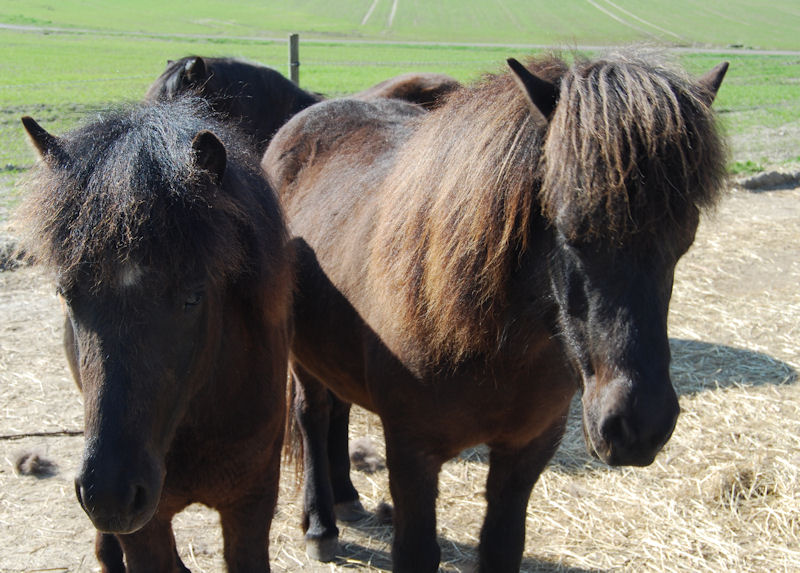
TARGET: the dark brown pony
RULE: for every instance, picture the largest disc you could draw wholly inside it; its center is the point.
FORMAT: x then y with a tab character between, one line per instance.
261	100
171	256
463	273
256	97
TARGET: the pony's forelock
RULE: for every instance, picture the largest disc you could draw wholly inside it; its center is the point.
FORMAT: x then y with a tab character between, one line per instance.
631	146
128	190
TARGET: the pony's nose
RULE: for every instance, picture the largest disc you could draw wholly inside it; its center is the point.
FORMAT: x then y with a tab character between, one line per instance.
116	505
634	437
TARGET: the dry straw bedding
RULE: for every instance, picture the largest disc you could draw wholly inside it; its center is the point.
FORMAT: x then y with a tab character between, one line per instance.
724	495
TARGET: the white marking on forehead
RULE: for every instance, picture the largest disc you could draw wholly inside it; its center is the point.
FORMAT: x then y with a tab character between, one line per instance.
130	275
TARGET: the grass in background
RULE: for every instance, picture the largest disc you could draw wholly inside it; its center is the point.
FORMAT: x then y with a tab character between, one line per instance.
745	168
758	106
59	78
770	25
66	71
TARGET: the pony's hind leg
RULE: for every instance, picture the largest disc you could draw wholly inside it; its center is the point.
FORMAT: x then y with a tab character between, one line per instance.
312	410
512	475
345	497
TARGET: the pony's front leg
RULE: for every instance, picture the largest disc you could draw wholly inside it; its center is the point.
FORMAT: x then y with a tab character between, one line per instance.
512	475
413	480
109	553
152	548
246	524
312	409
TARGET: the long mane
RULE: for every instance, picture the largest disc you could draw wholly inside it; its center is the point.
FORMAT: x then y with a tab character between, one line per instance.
126	187
480	170
459	203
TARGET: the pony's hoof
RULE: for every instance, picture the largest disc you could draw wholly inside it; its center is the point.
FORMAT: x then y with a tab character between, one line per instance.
350	511
322	549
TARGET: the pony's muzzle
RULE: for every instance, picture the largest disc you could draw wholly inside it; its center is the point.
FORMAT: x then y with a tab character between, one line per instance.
118	501
630	430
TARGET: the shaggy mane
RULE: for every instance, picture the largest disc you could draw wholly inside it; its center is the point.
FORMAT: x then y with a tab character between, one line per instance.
630	145
126	188
450	251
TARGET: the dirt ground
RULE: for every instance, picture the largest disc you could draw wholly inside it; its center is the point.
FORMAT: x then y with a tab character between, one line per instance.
724	495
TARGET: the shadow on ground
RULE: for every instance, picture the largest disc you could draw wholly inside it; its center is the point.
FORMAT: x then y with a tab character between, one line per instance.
455	556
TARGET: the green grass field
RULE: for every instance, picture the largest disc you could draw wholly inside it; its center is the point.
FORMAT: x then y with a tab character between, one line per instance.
771	25
93	55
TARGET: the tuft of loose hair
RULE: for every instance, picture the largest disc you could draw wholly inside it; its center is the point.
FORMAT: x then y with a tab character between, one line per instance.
31	463
364	456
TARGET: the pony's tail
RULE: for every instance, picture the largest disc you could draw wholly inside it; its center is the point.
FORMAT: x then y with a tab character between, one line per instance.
293	441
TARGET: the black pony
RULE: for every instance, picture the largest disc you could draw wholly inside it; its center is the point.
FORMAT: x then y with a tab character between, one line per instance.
257	97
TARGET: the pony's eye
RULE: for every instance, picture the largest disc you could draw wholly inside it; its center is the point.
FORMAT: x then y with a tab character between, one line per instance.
193	300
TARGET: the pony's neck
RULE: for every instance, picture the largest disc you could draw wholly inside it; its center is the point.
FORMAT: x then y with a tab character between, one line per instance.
455	218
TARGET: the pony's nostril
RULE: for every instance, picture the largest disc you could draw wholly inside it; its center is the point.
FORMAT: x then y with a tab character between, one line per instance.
115	507
617	432
139	500
79	493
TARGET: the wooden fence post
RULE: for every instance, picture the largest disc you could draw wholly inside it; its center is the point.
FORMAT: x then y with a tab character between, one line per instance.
294	58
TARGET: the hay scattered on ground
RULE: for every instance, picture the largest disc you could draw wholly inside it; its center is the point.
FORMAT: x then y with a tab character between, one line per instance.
724	495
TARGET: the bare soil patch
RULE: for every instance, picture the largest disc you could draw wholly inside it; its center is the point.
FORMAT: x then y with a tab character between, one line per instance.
724	494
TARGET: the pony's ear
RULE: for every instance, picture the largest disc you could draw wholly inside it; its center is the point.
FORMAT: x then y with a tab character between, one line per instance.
48	146
196	71
712	79
210	154
541	94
